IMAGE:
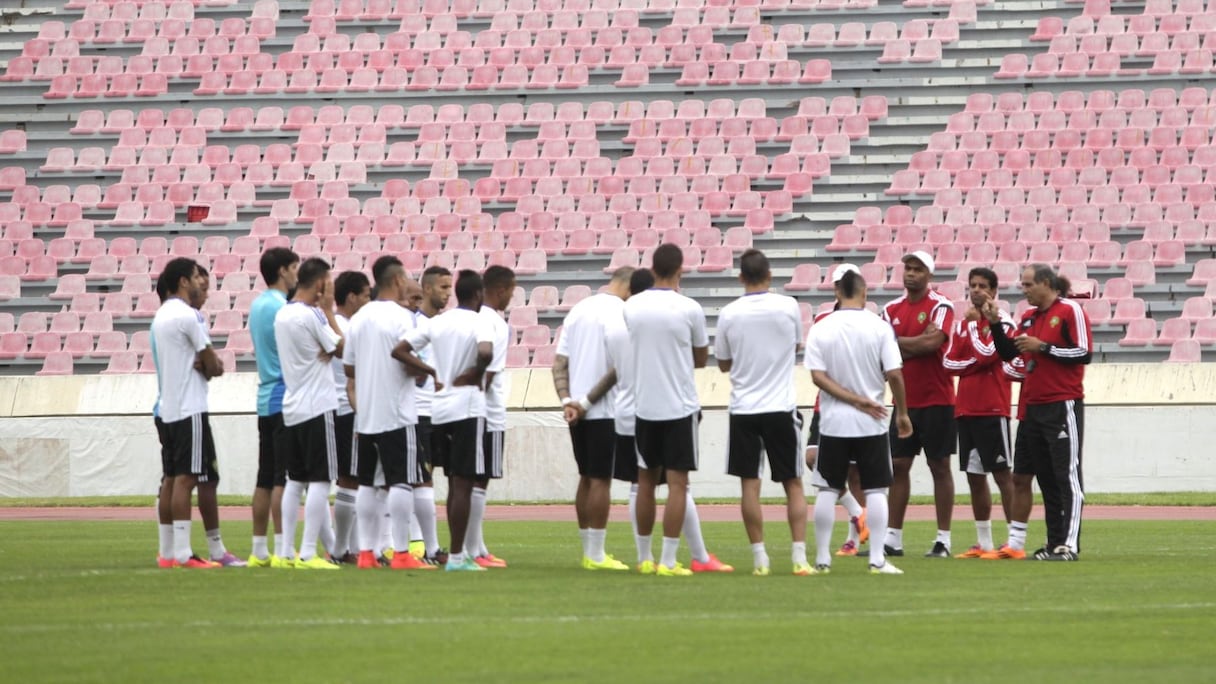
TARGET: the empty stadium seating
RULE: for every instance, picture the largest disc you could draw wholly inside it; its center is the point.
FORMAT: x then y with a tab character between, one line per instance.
568	138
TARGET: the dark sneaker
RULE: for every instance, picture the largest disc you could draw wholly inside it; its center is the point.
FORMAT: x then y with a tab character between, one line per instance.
893	552
440	557
1061	553
347	559
939	550
1040	553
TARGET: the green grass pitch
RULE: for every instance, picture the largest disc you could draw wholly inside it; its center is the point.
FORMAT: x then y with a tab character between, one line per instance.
83	602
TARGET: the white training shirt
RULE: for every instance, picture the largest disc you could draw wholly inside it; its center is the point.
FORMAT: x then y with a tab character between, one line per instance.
179	334
620	356
496	391
384	392
302	333
855	348
584	341
454	336
664	328
423	394
759	334
344	408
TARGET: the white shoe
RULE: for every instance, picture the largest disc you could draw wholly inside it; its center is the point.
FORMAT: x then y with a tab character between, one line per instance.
887	568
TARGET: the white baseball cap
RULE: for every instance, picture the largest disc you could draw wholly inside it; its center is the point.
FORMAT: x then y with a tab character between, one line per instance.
921	256
843	269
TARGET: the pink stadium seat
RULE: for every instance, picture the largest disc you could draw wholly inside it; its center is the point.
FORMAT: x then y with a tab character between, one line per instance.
1185	351
1172	331
121	362
1139	333
805	278
1098	310
56	363
573	295
1204	273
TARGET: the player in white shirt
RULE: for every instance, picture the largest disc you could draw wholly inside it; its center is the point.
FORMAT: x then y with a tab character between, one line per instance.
758	338
431	298
207	496
463	347
859	532
351	291
625	465
383	394
499	285
586	383
669	340
184	363
853	356
308	337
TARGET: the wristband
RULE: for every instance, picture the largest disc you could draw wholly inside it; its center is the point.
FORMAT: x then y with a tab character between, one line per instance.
584	404
568	401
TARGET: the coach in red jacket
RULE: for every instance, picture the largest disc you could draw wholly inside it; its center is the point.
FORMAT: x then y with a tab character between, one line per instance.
1048	353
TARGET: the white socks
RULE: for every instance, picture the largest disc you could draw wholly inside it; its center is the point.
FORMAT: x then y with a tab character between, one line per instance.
181	541
644	551
384	527
983	534
894	537
400	506
316	517
670	546
825	516
286	547
215	545
850	504
1017	535
759	555
692	531
595	544
424	513
876	518
260	549
943	536
633	508
344	521
797	552
474	538
367	509
164	547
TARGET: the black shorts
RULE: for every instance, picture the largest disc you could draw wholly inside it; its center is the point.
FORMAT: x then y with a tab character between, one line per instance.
187	448
871	454
812	436
396	454
312	449
933	430
458	445
272	457
426	454
777	434
594	443
984	444
668	443
625	463
491	454
344	431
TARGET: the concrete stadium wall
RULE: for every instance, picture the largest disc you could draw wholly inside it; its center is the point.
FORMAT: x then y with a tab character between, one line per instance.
1149	428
